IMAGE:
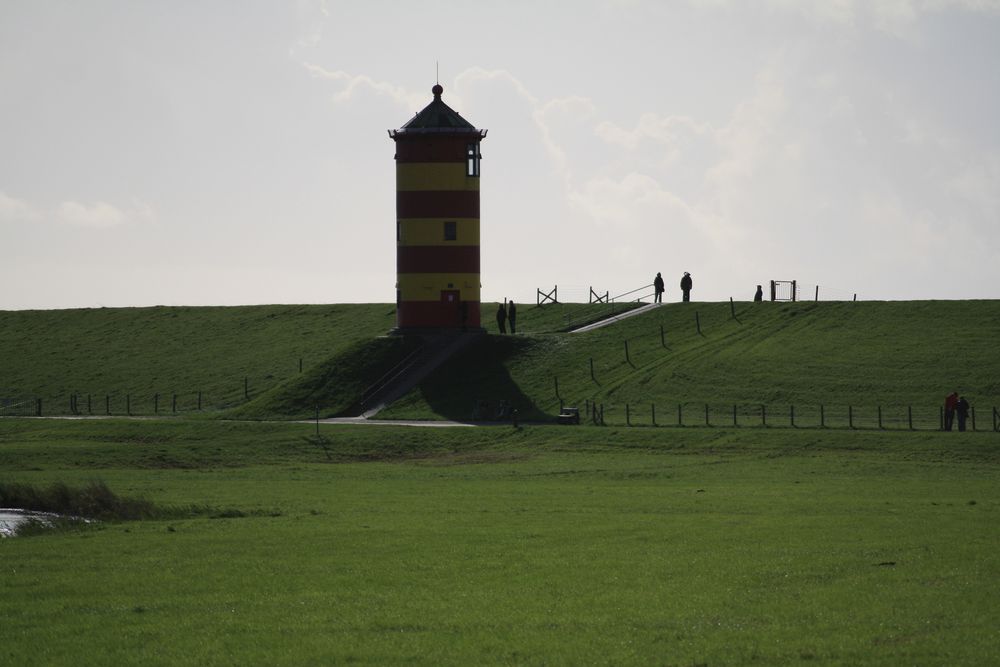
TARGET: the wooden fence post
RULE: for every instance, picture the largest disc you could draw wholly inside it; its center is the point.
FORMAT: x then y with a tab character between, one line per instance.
732	308
628	419
128	404
663	340
697	322
555	380
199	401
880	417
627	359
680	421
89	410
822	417
734	414
791	414
817	293
706	415
107	403
763	415
38	408
850	417
246	387
156	404
973	418
652	410
175	403
909	415
592	370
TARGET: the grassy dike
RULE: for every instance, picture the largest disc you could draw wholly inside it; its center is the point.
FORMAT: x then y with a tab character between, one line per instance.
122	358
583	545
863	355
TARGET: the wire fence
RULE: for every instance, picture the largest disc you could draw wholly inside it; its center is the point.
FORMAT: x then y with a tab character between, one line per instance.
818	416
138	403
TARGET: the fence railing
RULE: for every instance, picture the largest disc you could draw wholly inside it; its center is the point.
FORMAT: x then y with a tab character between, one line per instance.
813	416
146	402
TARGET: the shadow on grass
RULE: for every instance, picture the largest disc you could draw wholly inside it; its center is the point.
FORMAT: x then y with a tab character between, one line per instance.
476	385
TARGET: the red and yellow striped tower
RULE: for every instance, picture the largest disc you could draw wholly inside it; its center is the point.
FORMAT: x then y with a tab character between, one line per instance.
437	220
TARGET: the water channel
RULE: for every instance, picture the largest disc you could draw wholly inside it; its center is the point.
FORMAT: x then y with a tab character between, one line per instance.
10	519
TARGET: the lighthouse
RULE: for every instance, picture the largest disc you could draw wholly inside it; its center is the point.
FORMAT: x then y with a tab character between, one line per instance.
437	220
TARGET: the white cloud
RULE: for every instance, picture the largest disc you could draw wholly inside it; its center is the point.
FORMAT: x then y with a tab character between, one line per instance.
16	210
352	86
101	215
663	129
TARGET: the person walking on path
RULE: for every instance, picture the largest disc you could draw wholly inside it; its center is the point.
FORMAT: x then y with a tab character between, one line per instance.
512	317
962	412
501	318
759	294
658	289
950	402
686	285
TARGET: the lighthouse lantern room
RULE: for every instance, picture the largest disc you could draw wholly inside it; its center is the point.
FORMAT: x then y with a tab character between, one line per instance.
437	220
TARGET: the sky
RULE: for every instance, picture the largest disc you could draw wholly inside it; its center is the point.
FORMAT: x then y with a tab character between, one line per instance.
235	152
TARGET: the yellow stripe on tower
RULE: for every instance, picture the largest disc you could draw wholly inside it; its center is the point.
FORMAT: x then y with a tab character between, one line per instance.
430	231
447	176
428	286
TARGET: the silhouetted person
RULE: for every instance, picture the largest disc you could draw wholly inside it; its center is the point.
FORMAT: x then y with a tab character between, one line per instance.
759	294
962	412
686	285
501	318
512	316
658	289
950	401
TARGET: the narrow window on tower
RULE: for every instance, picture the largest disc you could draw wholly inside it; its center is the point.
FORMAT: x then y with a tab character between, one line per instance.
399	235
472	160
450	230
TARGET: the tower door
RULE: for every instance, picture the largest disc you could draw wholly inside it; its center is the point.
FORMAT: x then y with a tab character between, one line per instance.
451	297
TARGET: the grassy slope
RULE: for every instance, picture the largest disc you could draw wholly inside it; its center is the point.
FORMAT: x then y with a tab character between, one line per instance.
184	350
837	354
483	546
864	354
142	351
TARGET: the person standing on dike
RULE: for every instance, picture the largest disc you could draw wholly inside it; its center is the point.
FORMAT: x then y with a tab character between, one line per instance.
686	285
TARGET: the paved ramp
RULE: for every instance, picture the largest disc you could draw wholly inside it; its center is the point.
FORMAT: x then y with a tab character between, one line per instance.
617	318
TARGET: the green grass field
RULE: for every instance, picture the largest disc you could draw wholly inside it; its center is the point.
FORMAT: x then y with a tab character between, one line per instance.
544	545
901	357
803	355
706	544
123	358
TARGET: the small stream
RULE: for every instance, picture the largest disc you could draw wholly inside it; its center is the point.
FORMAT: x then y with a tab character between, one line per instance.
10	519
